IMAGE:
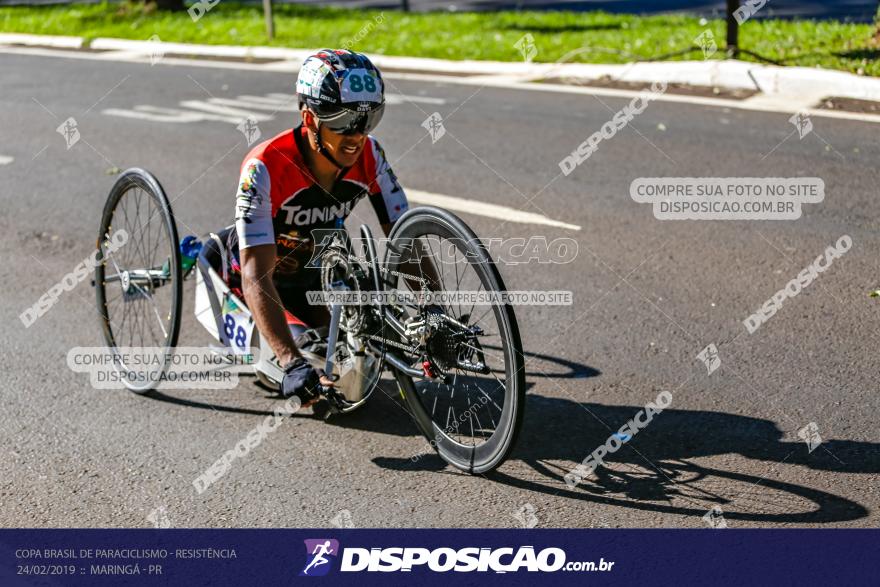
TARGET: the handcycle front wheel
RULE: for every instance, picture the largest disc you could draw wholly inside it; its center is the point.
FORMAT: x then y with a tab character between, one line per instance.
138	279
473	418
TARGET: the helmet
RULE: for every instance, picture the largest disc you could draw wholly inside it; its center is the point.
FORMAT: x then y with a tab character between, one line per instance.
343	89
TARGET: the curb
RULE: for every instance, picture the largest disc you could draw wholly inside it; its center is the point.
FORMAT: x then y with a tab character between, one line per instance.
57	42
792	86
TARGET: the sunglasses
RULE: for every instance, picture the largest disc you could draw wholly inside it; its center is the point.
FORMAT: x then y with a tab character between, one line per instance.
349	122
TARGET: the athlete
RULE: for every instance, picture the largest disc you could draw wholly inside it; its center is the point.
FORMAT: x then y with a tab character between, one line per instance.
304	179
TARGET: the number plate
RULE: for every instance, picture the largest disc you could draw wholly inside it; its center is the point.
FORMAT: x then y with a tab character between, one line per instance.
238	326
359	85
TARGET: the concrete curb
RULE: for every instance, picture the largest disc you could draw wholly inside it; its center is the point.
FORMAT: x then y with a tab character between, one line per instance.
794	85
41	40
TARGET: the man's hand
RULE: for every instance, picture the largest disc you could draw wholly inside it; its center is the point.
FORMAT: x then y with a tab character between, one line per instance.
302	380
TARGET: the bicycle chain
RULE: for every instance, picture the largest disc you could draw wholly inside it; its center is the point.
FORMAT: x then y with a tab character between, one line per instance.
389	342
394	343
399	345
404	275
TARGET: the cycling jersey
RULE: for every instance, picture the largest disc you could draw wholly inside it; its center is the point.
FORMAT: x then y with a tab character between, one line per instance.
278	201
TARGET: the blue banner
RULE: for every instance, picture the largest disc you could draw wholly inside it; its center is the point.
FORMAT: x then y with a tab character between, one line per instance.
441	557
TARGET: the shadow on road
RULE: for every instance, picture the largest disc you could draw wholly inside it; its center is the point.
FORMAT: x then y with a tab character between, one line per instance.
654	472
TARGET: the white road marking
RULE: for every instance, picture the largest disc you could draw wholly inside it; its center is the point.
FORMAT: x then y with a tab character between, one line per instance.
157	114
6	160
234	110
470	206
272	102
404	98
225	111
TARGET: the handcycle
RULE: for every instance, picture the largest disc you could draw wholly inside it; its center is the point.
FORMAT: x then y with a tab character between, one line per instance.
458	367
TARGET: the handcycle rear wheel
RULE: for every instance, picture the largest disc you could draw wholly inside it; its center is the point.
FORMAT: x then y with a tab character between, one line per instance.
487	407
139	286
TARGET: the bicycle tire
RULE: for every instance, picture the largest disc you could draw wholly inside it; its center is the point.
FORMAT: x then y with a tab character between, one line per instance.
130	180
492	453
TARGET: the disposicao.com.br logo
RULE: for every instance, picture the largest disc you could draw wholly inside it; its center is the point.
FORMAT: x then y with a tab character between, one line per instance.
318	551
441	560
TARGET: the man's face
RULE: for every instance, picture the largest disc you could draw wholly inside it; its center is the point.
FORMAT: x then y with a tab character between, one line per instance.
345	149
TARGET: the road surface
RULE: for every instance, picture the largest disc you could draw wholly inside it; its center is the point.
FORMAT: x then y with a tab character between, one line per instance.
649	295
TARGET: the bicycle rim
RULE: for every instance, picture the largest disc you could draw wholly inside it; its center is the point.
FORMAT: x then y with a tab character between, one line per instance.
139	285
473	420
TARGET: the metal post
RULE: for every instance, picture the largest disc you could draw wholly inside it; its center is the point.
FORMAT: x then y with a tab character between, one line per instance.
270	21
732	29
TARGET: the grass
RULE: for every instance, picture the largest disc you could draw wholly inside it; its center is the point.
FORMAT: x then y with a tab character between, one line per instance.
593	37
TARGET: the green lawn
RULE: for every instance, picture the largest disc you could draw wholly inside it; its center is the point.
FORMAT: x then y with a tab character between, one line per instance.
595	37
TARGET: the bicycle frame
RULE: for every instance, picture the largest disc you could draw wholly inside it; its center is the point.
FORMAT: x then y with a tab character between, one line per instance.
388	319
213	295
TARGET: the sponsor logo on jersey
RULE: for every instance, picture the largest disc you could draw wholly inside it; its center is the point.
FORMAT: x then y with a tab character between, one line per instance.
247	202
303	216
292	240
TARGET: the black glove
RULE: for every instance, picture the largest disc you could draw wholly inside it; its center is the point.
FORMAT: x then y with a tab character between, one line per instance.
302	380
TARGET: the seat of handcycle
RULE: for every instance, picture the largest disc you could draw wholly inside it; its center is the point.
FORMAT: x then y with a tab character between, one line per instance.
214	253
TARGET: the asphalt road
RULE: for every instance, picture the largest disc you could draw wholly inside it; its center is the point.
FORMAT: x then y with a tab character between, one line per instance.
648	296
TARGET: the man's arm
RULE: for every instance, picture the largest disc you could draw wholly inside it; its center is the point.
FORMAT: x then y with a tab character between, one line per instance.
257	251
257	267
256	238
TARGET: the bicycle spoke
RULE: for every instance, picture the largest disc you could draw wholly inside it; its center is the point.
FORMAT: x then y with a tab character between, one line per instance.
457	278
464	394
142	314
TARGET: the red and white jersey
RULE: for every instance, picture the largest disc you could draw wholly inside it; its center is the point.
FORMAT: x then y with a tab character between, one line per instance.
279	202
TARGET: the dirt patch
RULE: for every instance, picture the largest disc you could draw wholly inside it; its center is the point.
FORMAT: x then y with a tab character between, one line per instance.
850	105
